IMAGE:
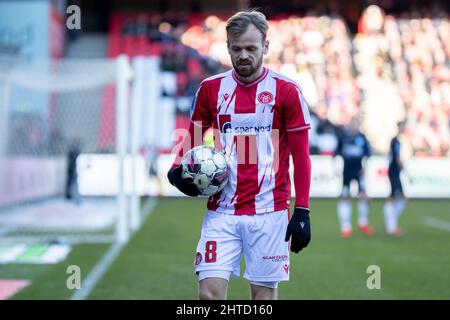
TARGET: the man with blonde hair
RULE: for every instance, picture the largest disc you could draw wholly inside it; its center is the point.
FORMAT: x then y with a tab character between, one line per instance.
259	117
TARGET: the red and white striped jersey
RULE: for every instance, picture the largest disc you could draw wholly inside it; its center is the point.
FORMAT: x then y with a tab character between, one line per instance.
251	122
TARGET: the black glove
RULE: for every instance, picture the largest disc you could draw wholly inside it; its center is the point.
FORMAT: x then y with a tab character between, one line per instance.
300	229
185	185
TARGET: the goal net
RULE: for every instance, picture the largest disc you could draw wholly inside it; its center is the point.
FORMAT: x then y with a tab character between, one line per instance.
57	119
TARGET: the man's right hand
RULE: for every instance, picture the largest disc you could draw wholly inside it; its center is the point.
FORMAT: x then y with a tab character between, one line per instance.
185	185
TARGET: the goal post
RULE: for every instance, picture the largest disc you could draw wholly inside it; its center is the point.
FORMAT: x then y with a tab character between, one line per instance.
122	97
51	110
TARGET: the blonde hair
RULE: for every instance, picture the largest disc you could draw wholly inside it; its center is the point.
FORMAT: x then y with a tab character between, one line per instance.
239	23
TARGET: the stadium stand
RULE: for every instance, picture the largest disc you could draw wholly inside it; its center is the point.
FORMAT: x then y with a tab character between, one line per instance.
304	49
159	35
404	58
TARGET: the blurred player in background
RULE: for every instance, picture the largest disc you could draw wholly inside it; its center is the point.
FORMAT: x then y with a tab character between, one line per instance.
259	117
396	203
72	188
354	149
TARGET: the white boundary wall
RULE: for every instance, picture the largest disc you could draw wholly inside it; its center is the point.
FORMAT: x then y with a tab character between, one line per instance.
422	177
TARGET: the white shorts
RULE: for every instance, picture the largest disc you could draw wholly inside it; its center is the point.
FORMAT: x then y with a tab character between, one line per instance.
259	238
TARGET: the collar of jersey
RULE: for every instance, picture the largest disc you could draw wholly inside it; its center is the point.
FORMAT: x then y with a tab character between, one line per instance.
257	80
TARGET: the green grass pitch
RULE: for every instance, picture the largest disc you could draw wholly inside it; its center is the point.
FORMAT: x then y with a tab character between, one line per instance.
157	263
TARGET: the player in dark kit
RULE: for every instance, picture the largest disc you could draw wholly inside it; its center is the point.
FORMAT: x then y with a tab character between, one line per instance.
354	148
396	202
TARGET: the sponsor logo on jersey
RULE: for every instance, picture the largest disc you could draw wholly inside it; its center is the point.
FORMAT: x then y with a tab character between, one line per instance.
265	97
226	127
224	122
251	129
286	268
276	258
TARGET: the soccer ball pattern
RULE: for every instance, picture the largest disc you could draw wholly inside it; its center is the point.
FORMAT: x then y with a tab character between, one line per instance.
208	167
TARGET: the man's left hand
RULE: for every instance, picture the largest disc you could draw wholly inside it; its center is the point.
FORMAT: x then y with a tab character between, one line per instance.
300	229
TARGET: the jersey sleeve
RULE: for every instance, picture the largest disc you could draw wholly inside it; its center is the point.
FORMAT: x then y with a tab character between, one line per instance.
299	147
367	148
295	109
200	110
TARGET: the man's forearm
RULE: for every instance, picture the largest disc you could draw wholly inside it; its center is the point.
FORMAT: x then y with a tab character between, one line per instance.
299	147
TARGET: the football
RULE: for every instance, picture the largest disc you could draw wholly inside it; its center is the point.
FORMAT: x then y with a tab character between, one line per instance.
208	167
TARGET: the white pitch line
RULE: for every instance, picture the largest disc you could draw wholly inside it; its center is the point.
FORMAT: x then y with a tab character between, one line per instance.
99	270
148	207
438	223
105	262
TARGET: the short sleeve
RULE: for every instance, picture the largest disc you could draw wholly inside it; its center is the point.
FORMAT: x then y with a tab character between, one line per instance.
295	110
200	111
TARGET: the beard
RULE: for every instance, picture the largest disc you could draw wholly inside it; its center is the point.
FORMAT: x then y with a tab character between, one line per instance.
246	68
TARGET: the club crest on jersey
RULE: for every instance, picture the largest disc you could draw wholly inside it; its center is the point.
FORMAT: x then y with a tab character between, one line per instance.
265	97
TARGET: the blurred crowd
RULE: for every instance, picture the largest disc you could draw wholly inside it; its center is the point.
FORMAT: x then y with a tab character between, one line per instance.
409	56
314	51
162	33
394	69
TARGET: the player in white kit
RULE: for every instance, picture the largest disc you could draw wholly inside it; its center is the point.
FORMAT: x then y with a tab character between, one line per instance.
259	118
